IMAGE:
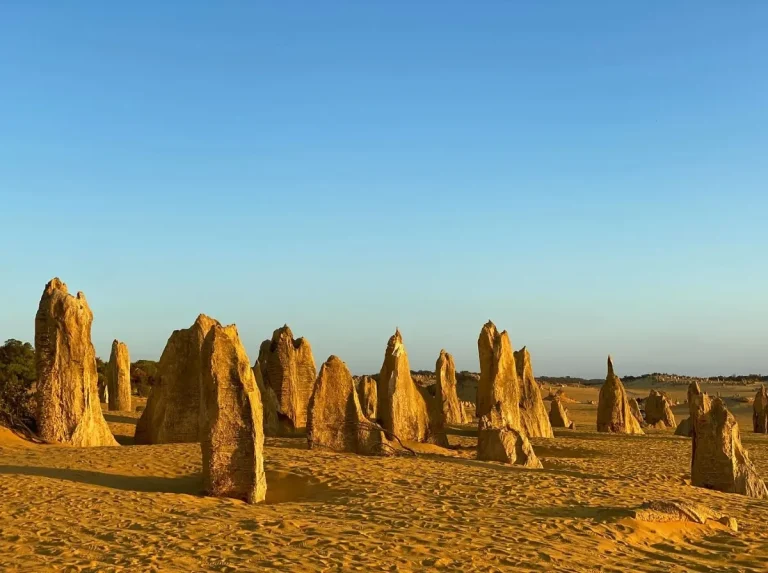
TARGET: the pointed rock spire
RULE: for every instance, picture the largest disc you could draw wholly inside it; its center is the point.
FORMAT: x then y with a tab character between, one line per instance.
613	410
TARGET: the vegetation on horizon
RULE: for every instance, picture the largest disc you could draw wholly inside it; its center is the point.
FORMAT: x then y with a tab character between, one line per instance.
17	376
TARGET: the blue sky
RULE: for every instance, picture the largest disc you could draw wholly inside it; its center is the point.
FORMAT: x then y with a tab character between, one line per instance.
589	175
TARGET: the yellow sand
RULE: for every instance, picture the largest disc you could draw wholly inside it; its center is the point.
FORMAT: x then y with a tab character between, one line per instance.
138	508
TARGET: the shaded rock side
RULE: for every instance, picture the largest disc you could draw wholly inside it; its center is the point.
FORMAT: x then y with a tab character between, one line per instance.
232	440
498	390
658	410
435	417
402	407
684	428
172	414
68	409
335	419
558	415
698	401
288	367
533	414
445	390
118	377
499	442
613	411
760	412
635	409
268	404
368	396
718	460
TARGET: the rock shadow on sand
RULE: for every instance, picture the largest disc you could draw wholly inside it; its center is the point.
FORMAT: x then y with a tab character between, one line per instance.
500	467
597	513
282	487
563	451
189	484
465	431
116	419
125	440
298	442
287	487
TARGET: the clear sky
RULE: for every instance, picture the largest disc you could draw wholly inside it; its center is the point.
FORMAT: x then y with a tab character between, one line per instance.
590	175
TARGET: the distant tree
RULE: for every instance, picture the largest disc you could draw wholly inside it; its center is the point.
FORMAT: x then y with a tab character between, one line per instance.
17	376
143	376
101	370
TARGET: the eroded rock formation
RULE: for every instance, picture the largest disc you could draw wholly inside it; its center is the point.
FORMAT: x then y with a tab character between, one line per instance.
287	366
366	393
335	419
658	410
684	428
119	378
533	414
403	409
718	460
445	390
498	389
172	413
613	411
760	412
698	401
666	511
635	408
232	437
436	417
501	436
67	382
558	414
500	442
268	404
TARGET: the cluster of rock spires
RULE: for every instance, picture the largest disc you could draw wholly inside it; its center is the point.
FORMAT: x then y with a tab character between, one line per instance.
658	411
502	434
207	392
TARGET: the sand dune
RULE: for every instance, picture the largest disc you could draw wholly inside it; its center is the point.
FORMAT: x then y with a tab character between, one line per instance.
139	508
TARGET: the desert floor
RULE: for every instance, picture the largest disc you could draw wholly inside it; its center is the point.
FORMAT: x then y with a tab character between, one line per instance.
139	508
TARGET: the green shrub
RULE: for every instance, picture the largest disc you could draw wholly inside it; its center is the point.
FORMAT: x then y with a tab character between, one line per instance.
17	377
143	376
